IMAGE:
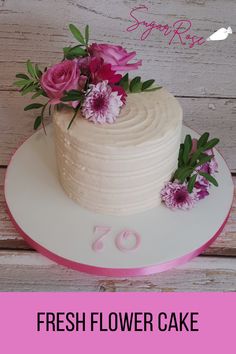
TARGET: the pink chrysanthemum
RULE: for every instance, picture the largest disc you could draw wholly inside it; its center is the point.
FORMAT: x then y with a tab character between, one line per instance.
102	105
176	196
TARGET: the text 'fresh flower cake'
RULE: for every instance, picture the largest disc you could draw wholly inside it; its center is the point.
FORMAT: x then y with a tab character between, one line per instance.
117	140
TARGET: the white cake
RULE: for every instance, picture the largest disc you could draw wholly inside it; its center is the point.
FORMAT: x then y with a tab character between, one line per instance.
120	168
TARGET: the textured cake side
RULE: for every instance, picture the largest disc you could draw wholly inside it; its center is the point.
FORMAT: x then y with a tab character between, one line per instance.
119	169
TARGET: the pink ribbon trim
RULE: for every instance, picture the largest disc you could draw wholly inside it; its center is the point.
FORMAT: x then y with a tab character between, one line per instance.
115	272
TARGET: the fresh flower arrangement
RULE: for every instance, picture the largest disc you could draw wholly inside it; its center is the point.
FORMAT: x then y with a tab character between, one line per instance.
194	175
89	78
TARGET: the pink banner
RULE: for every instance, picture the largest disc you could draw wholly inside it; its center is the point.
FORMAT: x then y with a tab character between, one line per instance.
117	323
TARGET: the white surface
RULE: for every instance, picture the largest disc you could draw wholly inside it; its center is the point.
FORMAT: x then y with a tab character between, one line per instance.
45	213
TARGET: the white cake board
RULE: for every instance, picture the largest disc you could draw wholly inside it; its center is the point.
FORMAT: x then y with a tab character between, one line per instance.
60	229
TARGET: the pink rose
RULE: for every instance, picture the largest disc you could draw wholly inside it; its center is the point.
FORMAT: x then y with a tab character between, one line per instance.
115	55
62	77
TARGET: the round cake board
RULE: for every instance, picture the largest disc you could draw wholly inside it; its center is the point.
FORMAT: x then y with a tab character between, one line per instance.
145	243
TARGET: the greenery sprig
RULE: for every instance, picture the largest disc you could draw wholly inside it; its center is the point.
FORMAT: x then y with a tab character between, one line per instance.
30	83
40	118
80	50
188	161
136	85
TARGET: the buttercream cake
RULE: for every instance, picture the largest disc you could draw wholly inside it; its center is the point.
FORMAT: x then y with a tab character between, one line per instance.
120	168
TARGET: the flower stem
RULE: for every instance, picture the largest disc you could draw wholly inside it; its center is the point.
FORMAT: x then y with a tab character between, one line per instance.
42	115
74	115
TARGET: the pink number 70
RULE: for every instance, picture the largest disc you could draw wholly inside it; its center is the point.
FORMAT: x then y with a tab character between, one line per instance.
103	231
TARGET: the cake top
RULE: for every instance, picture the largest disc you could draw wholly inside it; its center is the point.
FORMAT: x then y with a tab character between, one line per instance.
146	117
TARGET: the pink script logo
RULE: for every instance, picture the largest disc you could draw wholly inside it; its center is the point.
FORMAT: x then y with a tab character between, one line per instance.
178	33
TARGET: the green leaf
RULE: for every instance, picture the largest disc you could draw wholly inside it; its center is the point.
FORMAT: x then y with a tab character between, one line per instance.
73	95
33	106
87	34
37	122
191	183
153	89
147	84
37	94
203	160
137	87
44	94
74	92
124	82
187	148
203	139
210	178
135	84
66	50
185	173
38	71
211	143
20	83
28	88
76	33
30	69
75	52
196	156
182	173
180	157
176	174
22	76
69	99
